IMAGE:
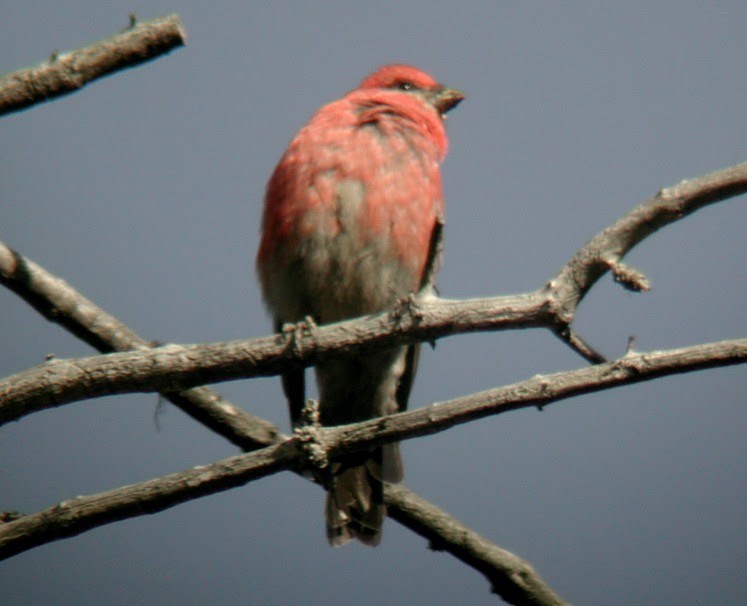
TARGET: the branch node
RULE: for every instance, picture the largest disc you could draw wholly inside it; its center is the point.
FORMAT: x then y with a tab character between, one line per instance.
310	438
668	194
310	416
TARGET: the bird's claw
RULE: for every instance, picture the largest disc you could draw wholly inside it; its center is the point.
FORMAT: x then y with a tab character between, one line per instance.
406	311
295	333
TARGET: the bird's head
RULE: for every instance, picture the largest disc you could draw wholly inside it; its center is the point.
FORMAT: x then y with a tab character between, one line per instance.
411	80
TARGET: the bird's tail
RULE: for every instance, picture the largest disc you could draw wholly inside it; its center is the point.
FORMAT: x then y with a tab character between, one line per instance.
355	500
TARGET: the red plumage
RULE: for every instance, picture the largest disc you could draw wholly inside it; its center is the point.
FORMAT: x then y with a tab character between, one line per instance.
347	228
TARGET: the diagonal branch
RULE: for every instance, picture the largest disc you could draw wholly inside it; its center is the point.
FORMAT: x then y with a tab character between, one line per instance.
65	73
59	302
604	252
539	391
510	577
72	517
56	300
172	367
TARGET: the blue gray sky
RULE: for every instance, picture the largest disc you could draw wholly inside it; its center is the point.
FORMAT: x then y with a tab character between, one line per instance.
144	191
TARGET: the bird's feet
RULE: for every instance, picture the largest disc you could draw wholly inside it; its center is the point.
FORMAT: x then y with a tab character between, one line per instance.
295	333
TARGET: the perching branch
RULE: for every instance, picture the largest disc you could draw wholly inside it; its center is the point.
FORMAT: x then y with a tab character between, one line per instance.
173	368
65	73
59	302
80	514
56	300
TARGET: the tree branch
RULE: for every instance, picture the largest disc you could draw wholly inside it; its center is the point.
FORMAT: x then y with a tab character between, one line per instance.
56	300
539	391
65	73
513	579
72	517
59	302
604	252
176	367
173	368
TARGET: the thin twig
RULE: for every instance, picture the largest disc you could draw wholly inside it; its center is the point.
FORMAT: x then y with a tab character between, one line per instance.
571	338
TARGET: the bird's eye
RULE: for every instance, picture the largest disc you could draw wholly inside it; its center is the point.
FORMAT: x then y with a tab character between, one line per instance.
405	85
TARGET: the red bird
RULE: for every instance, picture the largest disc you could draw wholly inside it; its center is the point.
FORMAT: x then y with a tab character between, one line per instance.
348	224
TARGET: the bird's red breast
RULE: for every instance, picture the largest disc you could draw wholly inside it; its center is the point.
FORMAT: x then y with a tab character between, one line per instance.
365	171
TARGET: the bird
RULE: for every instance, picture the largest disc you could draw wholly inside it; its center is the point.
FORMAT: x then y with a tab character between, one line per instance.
351	226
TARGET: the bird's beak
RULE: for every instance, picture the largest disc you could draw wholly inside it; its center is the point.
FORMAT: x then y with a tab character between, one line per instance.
446	99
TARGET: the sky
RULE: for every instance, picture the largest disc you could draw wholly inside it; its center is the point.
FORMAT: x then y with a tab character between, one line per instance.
144	192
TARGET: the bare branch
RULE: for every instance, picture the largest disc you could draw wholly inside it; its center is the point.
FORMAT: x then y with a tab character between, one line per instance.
56	300
65	73
72	517
77	515
513	579
569	336
539	391
605	251
59	302
174	368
